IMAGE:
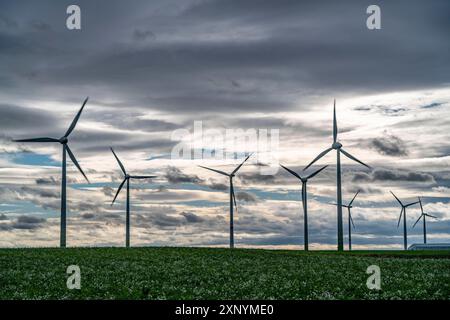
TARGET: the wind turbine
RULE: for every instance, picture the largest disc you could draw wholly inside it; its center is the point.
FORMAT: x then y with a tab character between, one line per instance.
403	211
232	195
350	220
64	140
304	181
338	147
422	216
126	179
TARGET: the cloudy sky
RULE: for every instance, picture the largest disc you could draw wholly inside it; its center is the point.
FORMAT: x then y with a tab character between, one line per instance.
152	68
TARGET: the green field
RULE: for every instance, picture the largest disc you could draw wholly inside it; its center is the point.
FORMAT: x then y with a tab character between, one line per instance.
206	273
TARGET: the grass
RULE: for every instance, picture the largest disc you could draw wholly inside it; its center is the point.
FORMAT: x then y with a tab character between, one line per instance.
206	273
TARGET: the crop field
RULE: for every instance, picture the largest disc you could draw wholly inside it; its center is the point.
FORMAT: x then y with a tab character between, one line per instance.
207	273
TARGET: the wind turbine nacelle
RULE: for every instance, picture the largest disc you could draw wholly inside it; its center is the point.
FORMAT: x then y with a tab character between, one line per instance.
63	140
336	145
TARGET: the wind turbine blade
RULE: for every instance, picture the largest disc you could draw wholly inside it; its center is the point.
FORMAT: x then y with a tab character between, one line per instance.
351	219
37	140
353	158
400	217
397	198
316	172
233	194
318	157
411	204
118	161
143	177
291	171
303	197
420	217
335	130
354	198
75	120
74	160
430	215
421	208
335	204
118	190
218	171
239	166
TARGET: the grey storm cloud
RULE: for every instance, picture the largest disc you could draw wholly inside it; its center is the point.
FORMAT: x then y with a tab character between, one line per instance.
160	219
155	66
142	35
246	196
182	70
175	175
432	105
27	222
30	219
88	216
192	217
47	181
389	145
108	191
247	178
40	192
393	175
14	117
218	186
134	120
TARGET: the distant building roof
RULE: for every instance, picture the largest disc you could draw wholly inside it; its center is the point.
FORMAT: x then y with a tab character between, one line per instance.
430	246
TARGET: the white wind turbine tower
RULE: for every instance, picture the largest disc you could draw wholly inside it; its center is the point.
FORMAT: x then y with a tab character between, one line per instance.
127	178
232	195
64	141
423	216
304	181
403	212
338	147
350	220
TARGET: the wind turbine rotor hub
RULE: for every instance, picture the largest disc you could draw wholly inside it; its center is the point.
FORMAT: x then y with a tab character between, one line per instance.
63	140
127	176
336	145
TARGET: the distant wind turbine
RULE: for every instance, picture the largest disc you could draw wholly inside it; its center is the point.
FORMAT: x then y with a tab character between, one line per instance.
126	179
232	195
350	220
422	216
64	140
304	181
338	147
403	212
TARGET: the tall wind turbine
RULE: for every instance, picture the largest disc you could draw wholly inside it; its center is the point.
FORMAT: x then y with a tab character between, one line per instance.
304	181
338	147
126	179
403	212
422	216
64	140
232	195
350	220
